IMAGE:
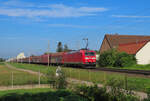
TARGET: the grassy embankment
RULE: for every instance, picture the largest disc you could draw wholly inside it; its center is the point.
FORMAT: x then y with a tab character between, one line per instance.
138	67
135	83
22	91
133	67
19	78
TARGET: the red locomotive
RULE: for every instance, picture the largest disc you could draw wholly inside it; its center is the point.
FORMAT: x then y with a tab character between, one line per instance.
81	57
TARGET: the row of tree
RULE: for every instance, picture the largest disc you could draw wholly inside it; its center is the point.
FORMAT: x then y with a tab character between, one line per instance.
60	47
2	60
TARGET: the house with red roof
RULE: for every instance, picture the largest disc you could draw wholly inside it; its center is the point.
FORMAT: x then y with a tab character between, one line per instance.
111	41
139	45
141	50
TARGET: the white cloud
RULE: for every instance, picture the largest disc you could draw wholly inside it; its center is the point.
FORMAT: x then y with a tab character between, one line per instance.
129	16
55	10
87	9
71	26
17	3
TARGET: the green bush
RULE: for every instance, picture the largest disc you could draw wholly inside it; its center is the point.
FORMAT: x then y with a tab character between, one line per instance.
60	95
93	93
107	58
148	94
124	59
61	81
113	58
58	82
116	92
113	93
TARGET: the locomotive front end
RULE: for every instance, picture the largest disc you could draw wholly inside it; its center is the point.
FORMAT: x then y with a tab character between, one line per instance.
89	58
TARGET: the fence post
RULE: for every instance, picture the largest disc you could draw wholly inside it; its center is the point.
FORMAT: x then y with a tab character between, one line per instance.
104	78
12	80
89	75
79	73
126	82
70	72
39	78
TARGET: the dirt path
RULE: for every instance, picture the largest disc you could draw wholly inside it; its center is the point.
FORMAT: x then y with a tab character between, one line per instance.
142	95
4	88
24	70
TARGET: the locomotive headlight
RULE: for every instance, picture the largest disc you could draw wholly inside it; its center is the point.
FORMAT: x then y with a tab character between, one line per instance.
86	58
93	58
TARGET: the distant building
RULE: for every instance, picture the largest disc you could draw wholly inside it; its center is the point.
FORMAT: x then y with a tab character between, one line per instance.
141	50
20	56
111	41
97	57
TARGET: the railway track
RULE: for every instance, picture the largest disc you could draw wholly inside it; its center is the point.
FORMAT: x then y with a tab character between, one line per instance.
143	72
129	71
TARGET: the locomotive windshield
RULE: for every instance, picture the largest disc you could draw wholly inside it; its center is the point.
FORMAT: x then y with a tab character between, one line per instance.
89	54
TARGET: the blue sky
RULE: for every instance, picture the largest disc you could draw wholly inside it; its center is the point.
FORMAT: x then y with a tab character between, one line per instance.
27	25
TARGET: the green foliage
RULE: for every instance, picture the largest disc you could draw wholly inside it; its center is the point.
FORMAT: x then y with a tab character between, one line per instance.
58	82
51	78
61	81
124	59
93	93
148	94
59	47
116	93
66	49
2	60
60	95
107	58
113	93
113	58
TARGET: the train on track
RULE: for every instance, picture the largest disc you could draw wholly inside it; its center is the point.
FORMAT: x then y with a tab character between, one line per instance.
81	57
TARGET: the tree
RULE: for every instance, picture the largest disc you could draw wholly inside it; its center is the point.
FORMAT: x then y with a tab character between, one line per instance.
47	53
66	48
2	60
59	47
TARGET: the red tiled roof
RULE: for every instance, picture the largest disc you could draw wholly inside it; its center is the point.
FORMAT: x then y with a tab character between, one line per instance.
131	48
113	40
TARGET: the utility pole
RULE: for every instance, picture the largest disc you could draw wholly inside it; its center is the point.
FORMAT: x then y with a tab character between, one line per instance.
48	51
39	54
12	80
86	39
29	58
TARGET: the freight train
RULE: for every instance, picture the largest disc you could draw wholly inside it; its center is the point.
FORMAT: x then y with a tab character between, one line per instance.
81	57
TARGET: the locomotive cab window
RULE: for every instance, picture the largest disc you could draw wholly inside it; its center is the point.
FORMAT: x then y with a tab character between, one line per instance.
89	54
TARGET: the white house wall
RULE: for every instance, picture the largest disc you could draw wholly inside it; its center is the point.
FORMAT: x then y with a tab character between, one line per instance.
143	55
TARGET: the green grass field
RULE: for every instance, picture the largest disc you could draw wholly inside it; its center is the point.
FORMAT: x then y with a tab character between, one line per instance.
138	67
19	78
136	83
135	67
22	91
